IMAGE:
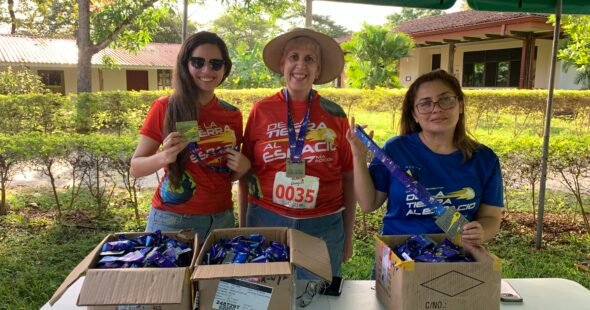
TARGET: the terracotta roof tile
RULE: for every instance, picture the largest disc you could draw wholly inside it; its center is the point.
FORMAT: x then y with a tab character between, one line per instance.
36	50
457	20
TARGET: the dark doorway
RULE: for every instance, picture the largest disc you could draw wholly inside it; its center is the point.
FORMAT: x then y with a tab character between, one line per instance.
493	68
435	61
137	80
54	80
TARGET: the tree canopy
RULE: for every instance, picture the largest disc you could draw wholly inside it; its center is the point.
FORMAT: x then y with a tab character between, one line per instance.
245	32
169	28
575	49
40	17
321	23
374	53
246	28
407	14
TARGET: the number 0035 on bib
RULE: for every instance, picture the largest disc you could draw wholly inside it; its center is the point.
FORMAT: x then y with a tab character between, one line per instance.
295	193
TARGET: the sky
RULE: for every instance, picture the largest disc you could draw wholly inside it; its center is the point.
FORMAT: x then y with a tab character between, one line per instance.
349	15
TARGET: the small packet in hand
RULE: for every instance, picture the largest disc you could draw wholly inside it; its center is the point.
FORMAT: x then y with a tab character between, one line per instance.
189	130
451	222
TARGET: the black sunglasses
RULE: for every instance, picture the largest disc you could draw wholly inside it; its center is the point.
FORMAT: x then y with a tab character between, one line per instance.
199	62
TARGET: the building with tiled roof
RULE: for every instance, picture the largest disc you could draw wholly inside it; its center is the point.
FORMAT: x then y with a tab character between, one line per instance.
484	49
56	61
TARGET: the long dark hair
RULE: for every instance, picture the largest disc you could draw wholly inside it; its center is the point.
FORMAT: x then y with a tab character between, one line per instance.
184	101
461	138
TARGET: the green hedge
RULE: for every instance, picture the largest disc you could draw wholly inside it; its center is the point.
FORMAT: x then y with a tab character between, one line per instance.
122	111
37	112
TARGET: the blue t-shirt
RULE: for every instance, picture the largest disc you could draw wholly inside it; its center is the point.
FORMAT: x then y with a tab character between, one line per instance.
456	183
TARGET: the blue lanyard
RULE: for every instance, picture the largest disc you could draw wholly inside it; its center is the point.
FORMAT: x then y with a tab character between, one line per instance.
296	144
410	184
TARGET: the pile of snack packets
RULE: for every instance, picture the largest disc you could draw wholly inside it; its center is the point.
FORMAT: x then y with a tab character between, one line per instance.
421	248
241	249
150	250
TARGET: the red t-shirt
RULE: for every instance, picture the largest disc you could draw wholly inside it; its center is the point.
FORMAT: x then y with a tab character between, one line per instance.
266	143
220	124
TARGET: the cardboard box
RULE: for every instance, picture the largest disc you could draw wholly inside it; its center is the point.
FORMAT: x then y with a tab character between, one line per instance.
415	285
152	288
258	285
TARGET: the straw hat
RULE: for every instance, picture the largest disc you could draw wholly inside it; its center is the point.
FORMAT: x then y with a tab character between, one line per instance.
332	57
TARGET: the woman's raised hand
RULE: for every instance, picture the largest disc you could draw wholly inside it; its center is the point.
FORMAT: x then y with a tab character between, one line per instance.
171	146
359	150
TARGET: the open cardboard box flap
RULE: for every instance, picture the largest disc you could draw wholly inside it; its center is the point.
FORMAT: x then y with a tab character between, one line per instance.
78	271
135	286
83	268
310	253
307	252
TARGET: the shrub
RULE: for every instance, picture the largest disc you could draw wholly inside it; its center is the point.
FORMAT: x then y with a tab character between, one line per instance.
22	81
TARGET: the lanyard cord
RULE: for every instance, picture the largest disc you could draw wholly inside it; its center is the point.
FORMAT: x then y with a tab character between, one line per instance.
296	143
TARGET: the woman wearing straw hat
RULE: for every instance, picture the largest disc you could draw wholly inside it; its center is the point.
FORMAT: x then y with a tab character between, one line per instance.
301	175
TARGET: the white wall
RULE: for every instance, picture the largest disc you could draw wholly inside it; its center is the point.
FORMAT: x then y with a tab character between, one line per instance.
408	68
543	63
153	79
565	80
420	62
112	80
70	80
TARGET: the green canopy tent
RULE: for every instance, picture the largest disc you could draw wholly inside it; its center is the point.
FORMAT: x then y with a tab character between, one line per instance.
556	7
525	6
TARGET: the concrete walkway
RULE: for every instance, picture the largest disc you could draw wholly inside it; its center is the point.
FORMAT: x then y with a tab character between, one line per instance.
30	177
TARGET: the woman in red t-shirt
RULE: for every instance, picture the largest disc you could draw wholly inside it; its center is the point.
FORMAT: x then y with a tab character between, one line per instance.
200	155
301	174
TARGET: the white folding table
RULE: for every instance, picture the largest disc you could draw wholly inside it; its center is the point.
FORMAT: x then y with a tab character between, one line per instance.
537	294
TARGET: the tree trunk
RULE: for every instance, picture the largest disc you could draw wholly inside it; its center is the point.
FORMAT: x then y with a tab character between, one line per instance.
55	196
12	16
135	203
3	182
85	52
533	201
84	71
76	190
3	203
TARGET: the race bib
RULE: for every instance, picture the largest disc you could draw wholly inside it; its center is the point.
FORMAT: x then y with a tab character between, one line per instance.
295	193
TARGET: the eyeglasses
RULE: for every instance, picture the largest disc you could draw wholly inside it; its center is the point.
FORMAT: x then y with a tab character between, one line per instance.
199	62
311	289
445	103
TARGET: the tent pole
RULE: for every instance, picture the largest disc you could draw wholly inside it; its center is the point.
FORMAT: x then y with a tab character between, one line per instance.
184	19
548	111
308	13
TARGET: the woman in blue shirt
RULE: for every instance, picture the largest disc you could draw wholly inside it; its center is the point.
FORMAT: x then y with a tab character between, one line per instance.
435	149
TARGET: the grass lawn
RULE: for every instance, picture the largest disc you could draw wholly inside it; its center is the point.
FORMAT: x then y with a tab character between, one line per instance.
36	254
